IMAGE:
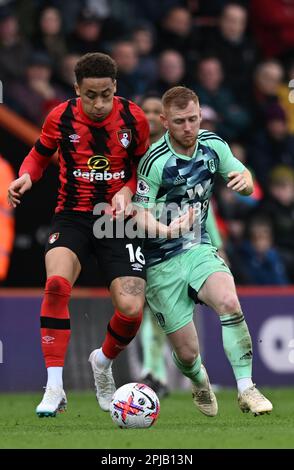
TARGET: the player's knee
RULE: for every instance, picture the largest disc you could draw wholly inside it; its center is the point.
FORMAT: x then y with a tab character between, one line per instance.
56	298
187	355
58	285
229	303
131	308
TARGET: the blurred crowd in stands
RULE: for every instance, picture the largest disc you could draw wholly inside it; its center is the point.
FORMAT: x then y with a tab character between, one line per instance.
237	56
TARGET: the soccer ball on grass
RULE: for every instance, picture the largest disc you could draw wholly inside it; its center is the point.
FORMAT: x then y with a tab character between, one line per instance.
134	405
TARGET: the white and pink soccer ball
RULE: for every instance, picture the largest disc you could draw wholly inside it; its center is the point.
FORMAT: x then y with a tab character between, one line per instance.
134	405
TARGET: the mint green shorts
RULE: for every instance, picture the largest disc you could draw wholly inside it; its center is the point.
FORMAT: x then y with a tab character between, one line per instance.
172	285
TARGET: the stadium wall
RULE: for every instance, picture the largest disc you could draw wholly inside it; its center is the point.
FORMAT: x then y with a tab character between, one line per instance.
269	313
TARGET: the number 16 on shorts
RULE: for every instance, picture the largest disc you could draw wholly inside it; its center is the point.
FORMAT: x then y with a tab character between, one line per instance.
137	259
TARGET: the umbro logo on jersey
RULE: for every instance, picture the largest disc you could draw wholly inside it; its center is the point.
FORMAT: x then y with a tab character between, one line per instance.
74	138
179	180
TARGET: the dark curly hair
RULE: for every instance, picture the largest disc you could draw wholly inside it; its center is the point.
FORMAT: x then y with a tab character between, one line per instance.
95	65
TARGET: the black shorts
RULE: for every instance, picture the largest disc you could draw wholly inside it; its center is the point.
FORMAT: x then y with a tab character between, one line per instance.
116	256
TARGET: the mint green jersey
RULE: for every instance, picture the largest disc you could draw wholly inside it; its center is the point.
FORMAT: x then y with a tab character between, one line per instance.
168	183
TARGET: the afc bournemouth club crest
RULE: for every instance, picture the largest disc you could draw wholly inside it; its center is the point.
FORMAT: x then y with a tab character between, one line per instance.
53	238
125	137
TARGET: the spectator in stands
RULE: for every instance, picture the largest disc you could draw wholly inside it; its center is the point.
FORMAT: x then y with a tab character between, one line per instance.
271	146
204	11
209	118
260	261
239	151
234	239
236	52
65	77
171	72
209	87
152	108
152	11
177	32
286	96
143	36
6	219
113	16
49	38
14	49
233	211
36	96
272	22
87	35
279	208
131	82
267	81
232	207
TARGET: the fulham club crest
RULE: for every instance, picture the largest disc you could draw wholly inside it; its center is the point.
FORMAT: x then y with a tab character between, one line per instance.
125	137
53	238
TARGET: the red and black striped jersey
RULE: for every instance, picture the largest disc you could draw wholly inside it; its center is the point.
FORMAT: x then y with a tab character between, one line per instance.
96	158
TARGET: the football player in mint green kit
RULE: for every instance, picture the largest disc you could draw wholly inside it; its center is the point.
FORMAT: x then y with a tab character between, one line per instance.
175	183
153	339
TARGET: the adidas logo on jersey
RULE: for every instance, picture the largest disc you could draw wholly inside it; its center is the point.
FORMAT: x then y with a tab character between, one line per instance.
179	180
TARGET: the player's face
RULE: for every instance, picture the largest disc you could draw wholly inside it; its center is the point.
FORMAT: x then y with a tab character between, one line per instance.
183	124
152	108
96	96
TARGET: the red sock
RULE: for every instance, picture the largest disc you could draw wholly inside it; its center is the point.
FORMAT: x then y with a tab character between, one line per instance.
120	332
55	322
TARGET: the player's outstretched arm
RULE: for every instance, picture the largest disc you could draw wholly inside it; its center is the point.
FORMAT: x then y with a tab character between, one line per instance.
38	159
241	182
154	228
17	188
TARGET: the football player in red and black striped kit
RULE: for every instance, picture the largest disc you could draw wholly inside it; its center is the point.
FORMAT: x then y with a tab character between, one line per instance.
100	139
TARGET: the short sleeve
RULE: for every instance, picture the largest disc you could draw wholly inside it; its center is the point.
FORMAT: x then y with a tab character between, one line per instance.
147	186
49	133
227	161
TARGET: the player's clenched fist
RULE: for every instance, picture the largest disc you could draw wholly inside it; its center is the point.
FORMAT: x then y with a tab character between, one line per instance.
17	188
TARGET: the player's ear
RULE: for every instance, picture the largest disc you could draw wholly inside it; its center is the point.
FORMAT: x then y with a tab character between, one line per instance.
200	115
114	86
77	88
163	121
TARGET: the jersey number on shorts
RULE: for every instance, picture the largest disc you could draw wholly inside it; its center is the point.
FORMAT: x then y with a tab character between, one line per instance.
138	256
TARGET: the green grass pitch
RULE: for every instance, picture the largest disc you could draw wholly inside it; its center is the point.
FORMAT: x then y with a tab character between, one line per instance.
179	426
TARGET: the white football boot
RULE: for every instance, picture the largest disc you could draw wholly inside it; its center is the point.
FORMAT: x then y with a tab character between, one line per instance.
204	398
104	383
252	400
54	401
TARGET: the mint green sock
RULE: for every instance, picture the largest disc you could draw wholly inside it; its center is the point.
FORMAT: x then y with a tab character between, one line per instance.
193	372
237	344
158	352
153	342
